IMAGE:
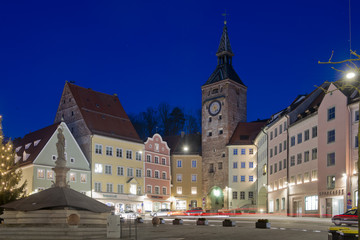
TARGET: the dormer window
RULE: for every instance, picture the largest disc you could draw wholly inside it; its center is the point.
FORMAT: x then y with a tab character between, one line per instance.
18	149
17	158
36	142
27	145
25	156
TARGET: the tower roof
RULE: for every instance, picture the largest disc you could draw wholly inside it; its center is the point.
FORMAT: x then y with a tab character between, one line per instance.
224	69
224	46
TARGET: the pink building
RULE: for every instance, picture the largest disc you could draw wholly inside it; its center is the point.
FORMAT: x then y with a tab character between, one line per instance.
157	174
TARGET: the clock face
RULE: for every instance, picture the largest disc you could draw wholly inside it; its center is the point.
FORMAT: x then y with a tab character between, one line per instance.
214	108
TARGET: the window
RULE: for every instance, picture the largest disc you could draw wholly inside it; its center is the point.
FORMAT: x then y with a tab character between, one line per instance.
221	131
138	172
275	132
275	150
306	177
179	177
98	168
133	189
285	145
157	190
280	165
108	169
330	159
282	203
209	134
314	132
251	178
235	152
139	192
234	195
130	172
356	116
242	164
299	158
220	165
251	151
306	156
120	188
271	169
331	136
148	188
148	158
356	145
299	179
179	163
235	165
119	152
243	151
280	129
193	177
164	191
109	151
211	168
251	195
210	119
242	195
156	174
156	159
311	203
299	138
331	113
271	152
292	161
242	178
280	147
179	190
50	174
72	177
120	171
53	157
271	206
330	182
156	147
163	175
275	167
264	169
292	141
163	161
292	180
193	164
97	187
83	178
235	178
306	135
138	156
271	135
314	175
109	187
277	204
193	190
98	149
148	173
314	154
284	161
128	154
251	164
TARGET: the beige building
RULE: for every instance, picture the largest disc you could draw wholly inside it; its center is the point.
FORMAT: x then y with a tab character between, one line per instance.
186	171
108	139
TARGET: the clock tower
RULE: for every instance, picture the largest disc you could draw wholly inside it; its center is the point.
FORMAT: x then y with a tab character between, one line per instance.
223	107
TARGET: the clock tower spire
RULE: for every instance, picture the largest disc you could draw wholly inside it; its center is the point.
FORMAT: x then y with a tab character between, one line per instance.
224	98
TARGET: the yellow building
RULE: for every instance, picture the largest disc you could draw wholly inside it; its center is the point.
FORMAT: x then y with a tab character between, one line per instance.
186	171
108	139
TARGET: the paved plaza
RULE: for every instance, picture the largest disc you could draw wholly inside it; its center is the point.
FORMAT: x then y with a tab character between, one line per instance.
282	228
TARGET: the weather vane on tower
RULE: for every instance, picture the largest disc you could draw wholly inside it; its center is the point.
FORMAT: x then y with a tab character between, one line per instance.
224	15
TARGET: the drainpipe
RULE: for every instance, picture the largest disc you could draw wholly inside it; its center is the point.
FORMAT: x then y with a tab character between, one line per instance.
267	167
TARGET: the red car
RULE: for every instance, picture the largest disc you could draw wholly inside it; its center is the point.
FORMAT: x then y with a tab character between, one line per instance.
194	211
349	218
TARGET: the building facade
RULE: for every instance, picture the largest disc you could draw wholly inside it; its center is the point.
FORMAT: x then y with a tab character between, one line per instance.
157	174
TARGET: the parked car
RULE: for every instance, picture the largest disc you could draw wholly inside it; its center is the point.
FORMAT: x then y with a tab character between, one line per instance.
194	211
129	214
349	218
161	213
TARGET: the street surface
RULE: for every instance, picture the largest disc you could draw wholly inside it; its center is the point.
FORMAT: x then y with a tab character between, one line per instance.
282	228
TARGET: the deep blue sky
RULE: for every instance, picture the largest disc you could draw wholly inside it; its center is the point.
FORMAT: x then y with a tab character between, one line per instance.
163	51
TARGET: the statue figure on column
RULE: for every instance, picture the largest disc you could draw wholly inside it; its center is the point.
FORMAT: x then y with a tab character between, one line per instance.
60	164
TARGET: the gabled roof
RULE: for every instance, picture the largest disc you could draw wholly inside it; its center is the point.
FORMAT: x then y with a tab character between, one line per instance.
178	142
57	198
103	113
31	144
246	132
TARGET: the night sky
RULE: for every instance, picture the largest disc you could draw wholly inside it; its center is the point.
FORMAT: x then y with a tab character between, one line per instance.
150	52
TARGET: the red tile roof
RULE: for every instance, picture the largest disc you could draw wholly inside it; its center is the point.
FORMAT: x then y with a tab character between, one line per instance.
104	114
246	132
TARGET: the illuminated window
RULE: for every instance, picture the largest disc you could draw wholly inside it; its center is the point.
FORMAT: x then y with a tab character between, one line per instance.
193	190
41	173
138	156
83	178
179	190
98	168
133	188
50	174
72	177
